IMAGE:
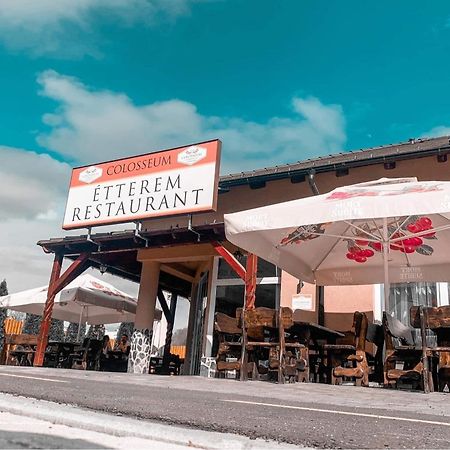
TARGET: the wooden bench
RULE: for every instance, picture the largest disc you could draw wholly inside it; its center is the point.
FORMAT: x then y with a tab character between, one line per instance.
29	341
358	369
229	337
264	338
436	319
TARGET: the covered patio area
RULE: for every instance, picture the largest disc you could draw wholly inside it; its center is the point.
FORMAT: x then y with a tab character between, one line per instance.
173	261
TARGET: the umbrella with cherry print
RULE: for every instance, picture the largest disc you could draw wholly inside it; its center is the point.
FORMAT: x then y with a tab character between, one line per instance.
389	230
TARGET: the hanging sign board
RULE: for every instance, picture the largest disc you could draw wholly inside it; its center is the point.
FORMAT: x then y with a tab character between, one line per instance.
182	180
302	301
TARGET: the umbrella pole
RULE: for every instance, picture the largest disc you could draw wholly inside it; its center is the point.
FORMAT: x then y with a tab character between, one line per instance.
79	324
386	264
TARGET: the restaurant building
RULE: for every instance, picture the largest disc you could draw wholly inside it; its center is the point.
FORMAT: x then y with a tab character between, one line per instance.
184	254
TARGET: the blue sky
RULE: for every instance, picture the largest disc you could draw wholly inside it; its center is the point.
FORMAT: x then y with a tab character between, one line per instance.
384	64
87	80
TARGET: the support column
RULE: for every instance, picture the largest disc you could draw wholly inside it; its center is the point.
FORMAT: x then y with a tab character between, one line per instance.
250	280
141	341
48	310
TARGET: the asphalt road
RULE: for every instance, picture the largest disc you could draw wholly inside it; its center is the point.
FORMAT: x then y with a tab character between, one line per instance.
303	414
31	423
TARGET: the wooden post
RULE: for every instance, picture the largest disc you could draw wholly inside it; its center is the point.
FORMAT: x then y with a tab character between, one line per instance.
243	375
48	309
251	269
423	334
249	296
56	285
282	345
250	280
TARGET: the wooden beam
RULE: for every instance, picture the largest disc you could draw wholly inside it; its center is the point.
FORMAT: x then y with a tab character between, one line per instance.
169	333
48	309
230	259
179	271
164	306
178	253
56	285
72	272
201	269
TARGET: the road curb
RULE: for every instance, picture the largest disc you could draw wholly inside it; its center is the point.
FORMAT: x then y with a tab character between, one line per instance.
120	426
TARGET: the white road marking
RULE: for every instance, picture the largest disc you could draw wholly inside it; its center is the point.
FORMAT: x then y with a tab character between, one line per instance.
33	378
344	413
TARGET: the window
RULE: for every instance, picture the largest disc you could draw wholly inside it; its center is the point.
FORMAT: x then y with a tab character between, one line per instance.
265	269
230	289
404	295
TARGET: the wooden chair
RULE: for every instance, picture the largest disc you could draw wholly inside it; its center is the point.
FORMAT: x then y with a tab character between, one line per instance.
358	367
87	357
436	319
264	337
403	358
229	337
28	341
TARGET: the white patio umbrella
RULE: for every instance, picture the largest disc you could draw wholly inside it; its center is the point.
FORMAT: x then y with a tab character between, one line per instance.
389	230
86	300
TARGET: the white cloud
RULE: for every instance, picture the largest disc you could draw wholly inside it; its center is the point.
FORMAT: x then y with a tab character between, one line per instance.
67	27
91	125
438	131
33	188
31	185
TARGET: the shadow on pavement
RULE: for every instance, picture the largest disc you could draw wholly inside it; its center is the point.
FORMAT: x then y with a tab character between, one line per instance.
13	439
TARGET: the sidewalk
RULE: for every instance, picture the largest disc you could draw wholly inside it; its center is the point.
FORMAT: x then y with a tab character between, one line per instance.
29	423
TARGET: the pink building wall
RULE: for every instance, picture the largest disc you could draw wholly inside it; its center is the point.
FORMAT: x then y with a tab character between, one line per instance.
340	302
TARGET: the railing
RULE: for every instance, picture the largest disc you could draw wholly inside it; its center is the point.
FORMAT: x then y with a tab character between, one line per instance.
15	326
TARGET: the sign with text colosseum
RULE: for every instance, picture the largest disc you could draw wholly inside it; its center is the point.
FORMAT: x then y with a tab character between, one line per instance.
182	180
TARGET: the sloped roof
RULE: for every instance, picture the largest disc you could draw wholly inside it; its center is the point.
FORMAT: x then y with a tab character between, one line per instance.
403	150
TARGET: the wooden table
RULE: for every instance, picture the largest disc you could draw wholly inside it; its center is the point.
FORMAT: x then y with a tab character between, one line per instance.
23	357
316	331
313	336
59	354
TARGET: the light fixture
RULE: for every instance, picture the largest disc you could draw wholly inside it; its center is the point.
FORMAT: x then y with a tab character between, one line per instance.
239	255
103	268
342	172
257	184
442	158
296	178
389	165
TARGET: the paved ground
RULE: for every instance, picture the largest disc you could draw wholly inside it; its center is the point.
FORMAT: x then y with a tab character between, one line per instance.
303	414
41	424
